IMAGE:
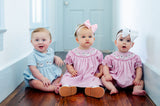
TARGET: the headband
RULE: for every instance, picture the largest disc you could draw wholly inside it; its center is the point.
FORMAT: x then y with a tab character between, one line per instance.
89	26
125	32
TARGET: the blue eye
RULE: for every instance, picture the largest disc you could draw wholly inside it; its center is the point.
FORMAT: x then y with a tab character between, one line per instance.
83	36
128	40
44	39
37	40
121	39
90	36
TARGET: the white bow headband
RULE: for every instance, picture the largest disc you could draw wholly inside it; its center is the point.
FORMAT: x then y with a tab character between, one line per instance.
125	32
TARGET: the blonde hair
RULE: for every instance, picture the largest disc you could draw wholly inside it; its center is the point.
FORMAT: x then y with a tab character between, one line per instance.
41	30
79	28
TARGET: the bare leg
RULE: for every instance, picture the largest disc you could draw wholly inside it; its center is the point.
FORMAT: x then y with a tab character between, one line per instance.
37	84
57	87
109	85
57	81
138	89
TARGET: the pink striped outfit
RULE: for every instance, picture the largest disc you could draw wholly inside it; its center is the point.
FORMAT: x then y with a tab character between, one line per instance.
86	62
122	67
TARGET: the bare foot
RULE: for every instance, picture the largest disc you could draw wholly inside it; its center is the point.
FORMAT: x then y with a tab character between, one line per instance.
56	90
57	86
139	92
113	91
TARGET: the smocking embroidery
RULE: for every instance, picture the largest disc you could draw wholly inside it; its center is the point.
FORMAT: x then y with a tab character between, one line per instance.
123	57
84	53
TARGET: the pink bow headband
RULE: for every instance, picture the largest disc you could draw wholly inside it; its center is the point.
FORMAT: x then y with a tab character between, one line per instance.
89	26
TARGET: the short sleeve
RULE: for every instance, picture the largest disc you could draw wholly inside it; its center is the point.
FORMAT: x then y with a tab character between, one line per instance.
107	61
31	59
100	57
51	51
138	62
68	59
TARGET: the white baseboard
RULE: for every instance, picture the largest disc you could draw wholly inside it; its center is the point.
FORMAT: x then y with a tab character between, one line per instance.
152	85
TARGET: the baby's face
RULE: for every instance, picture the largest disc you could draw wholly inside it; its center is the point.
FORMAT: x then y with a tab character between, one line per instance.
85	38
41	41
124	43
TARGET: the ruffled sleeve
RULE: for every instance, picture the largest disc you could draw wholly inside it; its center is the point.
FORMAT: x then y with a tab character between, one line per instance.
138	62
107	61
32	59
68	59
99	57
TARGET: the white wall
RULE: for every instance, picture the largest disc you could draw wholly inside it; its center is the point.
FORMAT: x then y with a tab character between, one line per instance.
16	39
143	16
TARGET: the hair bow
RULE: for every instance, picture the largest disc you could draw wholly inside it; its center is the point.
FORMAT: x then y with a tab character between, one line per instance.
125	32
92	27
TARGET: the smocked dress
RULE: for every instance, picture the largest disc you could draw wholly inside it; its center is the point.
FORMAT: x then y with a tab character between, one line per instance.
123	67
44	63
86	63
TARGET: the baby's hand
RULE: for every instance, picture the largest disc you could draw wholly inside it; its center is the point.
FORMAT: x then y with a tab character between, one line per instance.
98	75
58	61
73	73
108	77
137	82
46	82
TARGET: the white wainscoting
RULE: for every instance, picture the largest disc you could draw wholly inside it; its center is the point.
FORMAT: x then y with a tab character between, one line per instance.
11	77
152	84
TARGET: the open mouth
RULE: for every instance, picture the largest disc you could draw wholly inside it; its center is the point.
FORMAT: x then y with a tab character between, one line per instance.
41	47
123	47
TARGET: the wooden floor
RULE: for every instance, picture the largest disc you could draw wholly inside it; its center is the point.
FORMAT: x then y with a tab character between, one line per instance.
23	96
30	97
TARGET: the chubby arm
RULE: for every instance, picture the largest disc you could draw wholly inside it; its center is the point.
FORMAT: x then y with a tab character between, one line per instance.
58	61
39	76
100	71
106	73
138	76
71	70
